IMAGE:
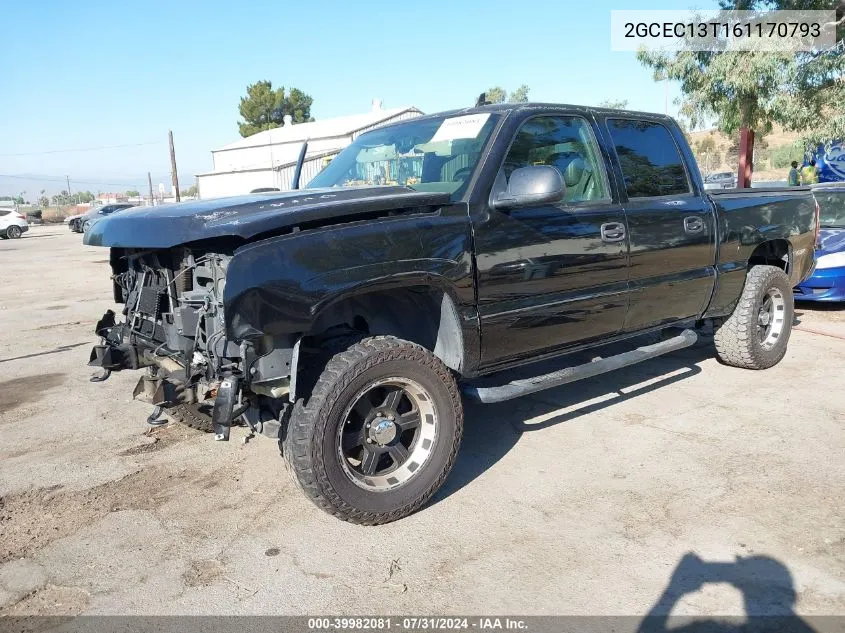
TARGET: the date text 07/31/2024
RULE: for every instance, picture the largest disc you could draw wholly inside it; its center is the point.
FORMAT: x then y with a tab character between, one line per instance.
419	623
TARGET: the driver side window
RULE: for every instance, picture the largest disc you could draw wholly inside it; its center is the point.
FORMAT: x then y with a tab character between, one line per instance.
566	143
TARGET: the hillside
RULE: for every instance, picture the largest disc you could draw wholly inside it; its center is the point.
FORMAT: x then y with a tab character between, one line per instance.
716	152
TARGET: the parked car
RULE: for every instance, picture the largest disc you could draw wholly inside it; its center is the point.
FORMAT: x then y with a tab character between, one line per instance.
74	222
827	283
345	319
80	223
13	224
92	217
721	180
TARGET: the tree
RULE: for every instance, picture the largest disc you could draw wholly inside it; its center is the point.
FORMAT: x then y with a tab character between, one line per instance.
706	154
43	201
264	108
298	105
705	151
497	94
706	144
520	95
131	193
749	91
614	104
61	199
190	192
84	196
783	156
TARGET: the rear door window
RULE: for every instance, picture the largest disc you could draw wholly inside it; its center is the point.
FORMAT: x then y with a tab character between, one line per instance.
649	157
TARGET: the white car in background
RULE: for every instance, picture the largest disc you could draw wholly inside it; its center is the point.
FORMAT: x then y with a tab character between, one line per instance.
12	224
721	180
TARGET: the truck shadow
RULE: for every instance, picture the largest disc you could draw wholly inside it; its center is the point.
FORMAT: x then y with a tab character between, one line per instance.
492	430
768	595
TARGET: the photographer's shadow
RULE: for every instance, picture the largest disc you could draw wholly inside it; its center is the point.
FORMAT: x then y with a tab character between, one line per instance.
768	595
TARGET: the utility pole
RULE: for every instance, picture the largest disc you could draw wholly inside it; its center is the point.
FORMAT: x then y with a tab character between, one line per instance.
173	174
150	183
67	178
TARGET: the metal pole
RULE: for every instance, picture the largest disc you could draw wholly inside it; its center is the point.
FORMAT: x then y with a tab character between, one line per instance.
173	174
746	153
150	183
299	162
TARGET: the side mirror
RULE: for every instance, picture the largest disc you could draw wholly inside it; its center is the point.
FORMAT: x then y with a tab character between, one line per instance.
528	186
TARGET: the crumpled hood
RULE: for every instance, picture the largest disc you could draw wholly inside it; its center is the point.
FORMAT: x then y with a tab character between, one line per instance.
247	216
831	241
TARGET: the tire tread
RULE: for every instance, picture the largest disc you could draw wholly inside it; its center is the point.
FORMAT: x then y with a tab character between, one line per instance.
307	465
735	336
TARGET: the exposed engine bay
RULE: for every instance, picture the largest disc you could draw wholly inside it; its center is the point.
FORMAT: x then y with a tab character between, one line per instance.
174	326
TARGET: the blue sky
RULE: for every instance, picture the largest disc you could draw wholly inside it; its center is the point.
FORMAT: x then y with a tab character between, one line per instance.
88	74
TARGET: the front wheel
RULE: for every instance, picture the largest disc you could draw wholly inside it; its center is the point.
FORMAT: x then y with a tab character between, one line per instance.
379	433
755	336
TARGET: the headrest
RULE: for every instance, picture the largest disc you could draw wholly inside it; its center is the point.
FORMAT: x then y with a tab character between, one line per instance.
574	172
561	160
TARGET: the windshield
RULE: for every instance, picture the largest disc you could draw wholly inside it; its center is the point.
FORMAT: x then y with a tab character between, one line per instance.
832	206
432	154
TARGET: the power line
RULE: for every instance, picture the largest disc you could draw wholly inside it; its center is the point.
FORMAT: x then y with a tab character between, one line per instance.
83	149
62	180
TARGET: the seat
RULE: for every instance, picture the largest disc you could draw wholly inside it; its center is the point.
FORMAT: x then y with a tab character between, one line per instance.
580	184
562	160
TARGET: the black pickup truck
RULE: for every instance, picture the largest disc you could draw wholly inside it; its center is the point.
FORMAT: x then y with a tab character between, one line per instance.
430	258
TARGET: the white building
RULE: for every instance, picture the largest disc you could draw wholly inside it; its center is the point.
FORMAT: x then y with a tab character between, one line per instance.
268	159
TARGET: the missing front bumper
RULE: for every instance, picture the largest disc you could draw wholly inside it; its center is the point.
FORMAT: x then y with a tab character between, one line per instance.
114	357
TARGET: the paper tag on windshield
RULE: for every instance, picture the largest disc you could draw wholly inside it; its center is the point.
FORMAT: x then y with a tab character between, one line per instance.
467	126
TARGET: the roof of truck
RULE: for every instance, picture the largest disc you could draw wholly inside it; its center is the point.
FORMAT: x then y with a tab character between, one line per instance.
534	105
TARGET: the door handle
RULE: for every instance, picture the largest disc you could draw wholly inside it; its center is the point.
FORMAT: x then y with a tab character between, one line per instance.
693	224
612	232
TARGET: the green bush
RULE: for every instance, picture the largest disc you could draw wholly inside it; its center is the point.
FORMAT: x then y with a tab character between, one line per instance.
783	156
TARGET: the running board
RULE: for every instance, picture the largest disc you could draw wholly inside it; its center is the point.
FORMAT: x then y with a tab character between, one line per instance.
564	376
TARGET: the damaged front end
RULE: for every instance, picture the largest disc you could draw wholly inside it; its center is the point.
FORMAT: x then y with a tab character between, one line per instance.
173	325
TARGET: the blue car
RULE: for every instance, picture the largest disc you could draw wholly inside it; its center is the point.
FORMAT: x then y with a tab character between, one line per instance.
827	282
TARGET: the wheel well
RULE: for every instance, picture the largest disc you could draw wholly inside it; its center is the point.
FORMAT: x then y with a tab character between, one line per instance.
421	314
772	253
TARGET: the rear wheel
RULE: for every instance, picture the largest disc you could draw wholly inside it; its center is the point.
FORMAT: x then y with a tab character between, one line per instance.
13	232
379	433
756	335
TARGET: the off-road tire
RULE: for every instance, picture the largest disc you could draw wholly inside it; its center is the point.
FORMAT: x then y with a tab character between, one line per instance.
735	337
309	441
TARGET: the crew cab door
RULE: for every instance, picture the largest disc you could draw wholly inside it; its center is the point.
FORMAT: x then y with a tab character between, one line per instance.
671	224
551	276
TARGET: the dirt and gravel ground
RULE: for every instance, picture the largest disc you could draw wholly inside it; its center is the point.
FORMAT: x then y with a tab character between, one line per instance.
581	500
